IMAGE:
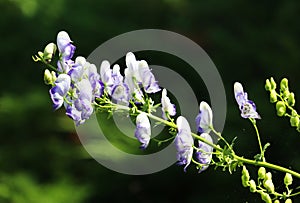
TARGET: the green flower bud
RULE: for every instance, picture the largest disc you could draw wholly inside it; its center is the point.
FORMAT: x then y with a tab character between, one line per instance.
291	99
280	107
288	201
269	185
245	177
286	93
276	201
41	54
288	179
273	83
268	85
268	176
294	113
284	84
49	51
294	121
261	172
49	78
252	186
266	197
273	96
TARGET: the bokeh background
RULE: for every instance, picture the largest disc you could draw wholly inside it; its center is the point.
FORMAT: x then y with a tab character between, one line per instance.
41	159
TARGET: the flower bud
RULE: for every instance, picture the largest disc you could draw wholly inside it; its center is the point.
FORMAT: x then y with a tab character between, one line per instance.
48	77
273	83
288	201
268	85
280	107
291	99
284	84
286	93
266	197
294	121
269	185
252	186
49	51
261	172
245	177
294	112
268	176
288	179
276	201
273	96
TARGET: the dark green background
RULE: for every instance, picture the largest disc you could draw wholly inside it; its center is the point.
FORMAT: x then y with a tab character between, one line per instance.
41	159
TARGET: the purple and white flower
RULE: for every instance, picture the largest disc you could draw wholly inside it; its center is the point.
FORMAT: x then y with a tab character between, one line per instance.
184	142
167	106
65	46
247	107
143	130
204	154
60	90
204	118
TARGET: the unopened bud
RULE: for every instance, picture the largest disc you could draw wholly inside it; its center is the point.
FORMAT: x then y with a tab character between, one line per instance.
49	51
268	176
273	96
291	99
252	186
284	84
288	179
269	185
245	177
294	121
288	201
276	201
273	83
49	78
280	107
268	85
266	197
261	172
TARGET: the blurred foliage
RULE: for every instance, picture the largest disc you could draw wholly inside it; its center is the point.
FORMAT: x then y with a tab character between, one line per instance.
42	159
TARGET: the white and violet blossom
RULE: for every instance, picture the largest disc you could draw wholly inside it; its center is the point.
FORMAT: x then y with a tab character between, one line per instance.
167	106
247	107
184	142
204	154
143	130
61	87
204	118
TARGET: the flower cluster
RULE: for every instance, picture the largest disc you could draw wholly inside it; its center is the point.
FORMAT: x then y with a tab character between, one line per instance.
185	143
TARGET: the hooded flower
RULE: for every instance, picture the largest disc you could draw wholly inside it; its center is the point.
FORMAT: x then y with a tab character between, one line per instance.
65	46
204	154
81	107
143	129
184	142
60	90
138	73
204	118
167	106
247	107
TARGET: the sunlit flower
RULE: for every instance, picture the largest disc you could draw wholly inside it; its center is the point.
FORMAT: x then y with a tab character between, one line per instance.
65	46
184	142
204	118
60	90
106	75
143	129
204	154
167	106
247	107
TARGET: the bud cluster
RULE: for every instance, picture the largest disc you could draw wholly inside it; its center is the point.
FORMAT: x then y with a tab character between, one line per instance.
265	186
285	101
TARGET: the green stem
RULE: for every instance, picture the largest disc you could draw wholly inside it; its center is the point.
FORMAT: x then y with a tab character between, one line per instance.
267	165
217	147
253	121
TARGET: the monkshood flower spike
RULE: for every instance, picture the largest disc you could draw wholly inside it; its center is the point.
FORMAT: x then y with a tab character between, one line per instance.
184	142
247	107
81	90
